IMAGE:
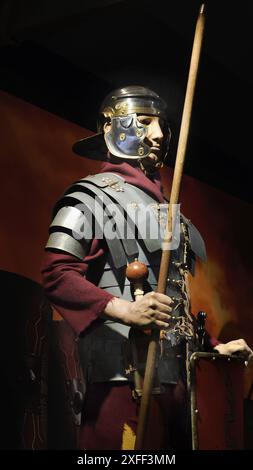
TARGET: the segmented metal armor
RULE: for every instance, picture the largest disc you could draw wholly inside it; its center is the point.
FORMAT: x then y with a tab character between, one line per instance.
77	215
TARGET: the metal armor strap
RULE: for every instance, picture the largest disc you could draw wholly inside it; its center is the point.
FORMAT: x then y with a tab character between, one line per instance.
118	218
126	195
61	240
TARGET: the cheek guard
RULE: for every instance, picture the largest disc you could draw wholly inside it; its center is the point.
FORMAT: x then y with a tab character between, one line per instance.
126	138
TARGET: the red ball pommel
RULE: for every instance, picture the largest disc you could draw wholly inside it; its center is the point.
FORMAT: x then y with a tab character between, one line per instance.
136	271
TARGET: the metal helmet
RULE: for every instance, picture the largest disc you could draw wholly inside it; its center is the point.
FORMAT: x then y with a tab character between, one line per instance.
126	138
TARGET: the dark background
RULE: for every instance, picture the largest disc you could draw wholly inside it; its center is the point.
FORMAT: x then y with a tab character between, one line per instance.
64	56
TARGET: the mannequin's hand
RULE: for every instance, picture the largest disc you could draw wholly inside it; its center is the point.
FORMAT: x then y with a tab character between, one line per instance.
153	310
236	346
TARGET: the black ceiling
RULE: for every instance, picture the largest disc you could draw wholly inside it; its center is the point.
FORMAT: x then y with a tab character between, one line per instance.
64	56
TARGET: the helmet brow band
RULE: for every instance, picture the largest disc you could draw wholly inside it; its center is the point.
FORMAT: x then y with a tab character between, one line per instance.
125	110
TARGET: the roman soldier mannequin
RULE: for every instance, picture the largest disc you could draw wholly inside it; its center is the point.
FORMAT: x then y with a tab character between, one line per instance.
101	225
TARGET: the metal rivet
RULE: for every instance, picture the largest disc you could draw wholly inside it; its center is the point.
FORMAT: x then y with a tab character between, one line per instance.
138	133
141	151
122	136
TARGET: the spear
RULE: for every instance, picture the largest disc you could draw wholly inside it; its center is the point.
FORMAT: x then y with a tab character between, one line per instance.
175	191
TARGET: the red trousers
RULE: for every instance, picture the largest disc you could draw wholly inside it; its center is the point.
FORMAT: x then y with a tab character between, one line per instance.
109	409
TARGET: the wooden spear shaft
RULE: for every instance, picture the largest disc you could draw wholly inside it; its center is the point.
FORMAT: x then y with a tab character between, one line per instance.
175	191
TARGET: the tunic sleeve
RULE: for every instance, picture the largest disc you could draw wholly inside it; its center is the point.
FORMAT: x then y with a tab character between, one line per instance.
78	301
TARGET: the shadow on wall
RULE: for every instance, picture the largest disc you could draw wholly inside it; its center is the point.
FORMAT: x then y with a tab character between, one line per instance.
24	353
40	406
